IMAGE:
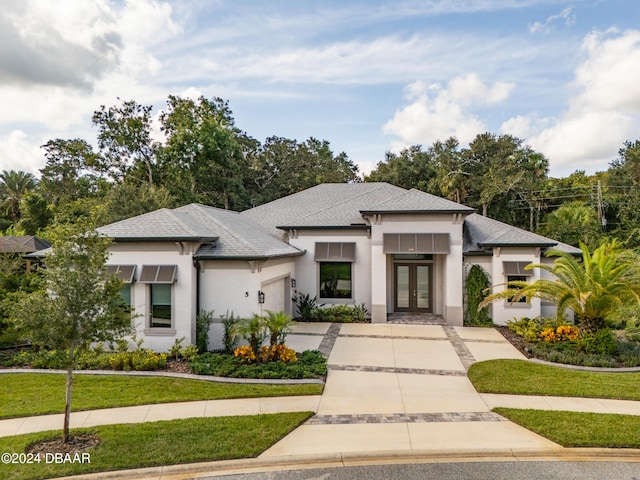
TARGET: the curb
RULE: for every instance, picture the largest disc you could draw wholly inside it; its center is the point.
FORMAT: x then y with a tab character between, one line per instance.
339	460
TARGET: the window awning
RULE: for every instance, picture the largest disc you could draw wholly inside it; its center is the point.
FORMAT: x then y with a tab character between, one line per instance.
415	243
158	274
516	268
124	272
335	251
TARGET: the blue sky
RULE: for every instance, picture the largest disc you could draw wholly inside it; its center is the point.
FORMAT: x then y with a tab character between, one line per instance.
368	76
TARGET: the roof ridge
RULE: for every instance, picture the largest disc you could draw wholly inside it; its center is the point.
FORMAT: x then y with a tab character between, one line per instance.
378	186
225	228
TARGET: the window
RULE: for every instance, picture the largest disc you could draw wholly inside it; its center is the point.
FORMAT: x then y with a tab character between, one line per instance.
517	278
160	305
160	279
335	279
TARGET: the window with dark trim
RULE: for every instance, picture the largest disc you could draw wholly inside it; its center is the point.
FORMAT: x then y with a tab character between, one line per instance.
517	278
160	294
335	280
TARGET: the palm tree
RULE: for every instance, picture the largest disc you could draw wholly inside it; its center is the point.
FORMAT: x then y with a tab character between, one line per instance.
593	288
13	186
279	326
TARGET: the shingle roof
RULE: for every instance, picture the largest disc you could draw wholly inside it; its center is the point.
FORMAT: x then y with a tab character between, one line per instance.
226	234
342	205
482	232
418	201
22	244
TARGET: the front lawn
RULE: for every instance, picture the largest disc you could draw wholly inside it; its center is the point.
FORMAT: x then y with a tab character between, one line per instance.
160	443
579	429
26	394
521	377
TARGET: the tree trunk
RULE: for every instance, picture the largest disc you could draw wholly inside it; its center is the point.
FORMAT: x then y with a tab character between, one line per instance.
484	209
67	405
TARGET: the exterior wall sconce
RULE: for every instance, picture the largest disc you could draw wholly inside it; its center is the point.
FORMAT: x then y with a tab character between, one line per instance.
260	296
293	283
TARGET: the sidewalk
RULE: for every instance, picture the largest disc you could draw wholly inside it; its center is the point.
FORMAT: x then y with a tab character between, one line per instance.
398	392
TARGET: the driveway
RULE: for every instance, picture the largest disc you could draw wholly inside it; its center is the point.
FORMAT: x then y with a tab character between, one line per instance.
399	387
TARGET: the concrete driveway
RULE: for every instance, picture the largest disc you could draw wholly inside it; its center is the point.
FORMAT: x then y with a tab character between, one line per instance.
399	387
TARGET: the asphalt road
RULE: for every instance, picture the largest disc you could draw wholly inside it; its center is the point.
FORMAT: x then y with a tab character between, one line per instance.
460	471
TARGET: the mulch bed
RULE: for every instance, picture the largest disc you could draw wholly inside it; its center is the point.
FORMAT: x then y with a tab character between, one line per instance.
517	341
76	444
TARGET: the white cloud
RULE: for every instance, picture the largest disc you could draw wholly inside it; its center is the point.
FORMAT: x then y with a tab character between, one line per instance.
19	152
602	114
545	27
435	113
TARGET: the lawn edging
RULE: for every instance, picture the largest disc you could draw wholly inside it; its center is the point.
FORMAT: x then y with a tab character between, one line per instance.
187	376
585	368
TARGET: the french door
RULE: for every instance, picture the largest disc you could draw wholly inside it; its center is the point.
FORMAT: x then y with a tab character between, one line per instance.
412	289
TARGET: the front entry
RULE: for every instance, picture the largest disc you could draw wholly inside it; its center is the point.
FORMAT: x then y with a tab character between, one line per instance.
412	287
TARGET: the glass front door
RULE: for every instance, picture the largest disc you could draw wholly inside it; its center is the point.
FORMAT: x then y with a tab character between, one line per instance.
413	287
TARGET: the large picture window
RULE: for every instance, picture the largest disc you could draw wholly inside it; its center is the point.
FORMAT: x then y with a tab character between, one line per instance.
160	305
335	280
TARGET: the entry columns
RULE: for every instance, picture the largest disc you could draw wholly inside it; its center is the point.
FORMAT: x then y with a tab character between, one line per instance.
378	284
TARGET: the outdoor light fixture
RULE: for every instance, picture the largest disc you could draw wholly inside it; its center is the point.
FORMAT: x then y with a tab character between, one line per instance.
260	296
293	283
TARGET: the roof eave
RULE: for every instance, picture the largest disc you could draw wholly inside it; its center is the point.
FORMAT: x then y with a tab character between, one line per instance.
518	244
404	212
163	239
249	257
356	226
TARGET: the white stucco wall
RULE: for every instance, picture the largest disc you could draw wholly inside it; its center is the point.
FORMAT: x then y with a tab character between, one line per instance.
230	286
503	311
307	270
183	290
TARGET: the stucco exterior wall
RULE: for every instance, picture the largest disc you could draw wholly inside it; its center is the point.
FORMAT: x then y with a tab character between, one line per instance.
183	297
503	311
307	270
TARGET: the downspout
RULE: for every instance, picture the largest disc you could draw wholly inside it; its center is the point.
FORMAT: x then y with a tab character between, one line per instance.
196	265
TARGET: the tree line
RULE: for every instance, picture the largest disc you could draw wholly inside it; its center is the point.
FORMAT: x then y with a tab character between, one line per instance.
205	157
505	179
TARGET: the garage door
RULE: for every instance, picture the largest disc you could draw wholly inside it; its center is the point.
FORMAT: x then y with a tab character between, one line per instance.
276	296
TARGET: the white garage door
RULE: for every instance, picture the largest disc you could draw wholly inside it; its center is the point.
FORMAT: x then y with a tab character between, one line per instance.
276	296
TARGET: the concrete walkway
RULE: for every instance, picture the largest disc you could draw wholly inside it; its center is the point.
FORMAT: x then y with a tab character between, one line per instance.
398	387
392	389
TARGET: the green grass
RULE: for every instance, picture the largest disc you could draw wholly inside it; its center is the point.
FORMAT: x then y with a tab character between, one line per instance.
26	394
161	443
521	377
578	429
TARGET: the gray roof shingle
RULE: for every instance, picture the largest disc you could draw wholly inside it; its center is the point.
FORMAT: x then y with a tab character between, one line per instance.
482	232
342	205
226	234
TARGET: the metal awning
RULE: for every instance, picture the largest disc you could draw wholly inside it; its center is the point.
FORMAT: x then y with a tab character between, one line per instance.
516	268
123	272
434	243
158	274
335	251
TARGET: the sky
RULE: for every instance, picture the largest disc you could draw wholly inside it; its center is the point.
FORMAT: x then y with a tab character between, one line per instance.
368	76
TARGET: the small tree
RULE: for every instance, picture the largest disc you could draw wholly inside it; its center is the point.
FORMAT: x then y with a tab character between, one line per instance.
476	287
78	305
279	326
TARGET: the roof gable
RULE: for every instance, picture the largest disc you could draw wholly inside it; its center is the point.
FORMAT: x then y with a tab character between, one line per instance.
342	205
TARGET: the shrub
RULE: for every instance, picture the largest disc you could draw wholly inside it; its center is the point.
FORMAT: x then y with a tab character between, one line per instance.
338	313
305	306
310	364
229	338
203	321
531	328
562	333
476	288
601	342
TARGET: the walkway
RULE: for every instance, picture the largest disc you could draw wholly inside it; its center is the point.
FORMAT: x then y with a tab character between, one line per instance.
390	388
403	387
